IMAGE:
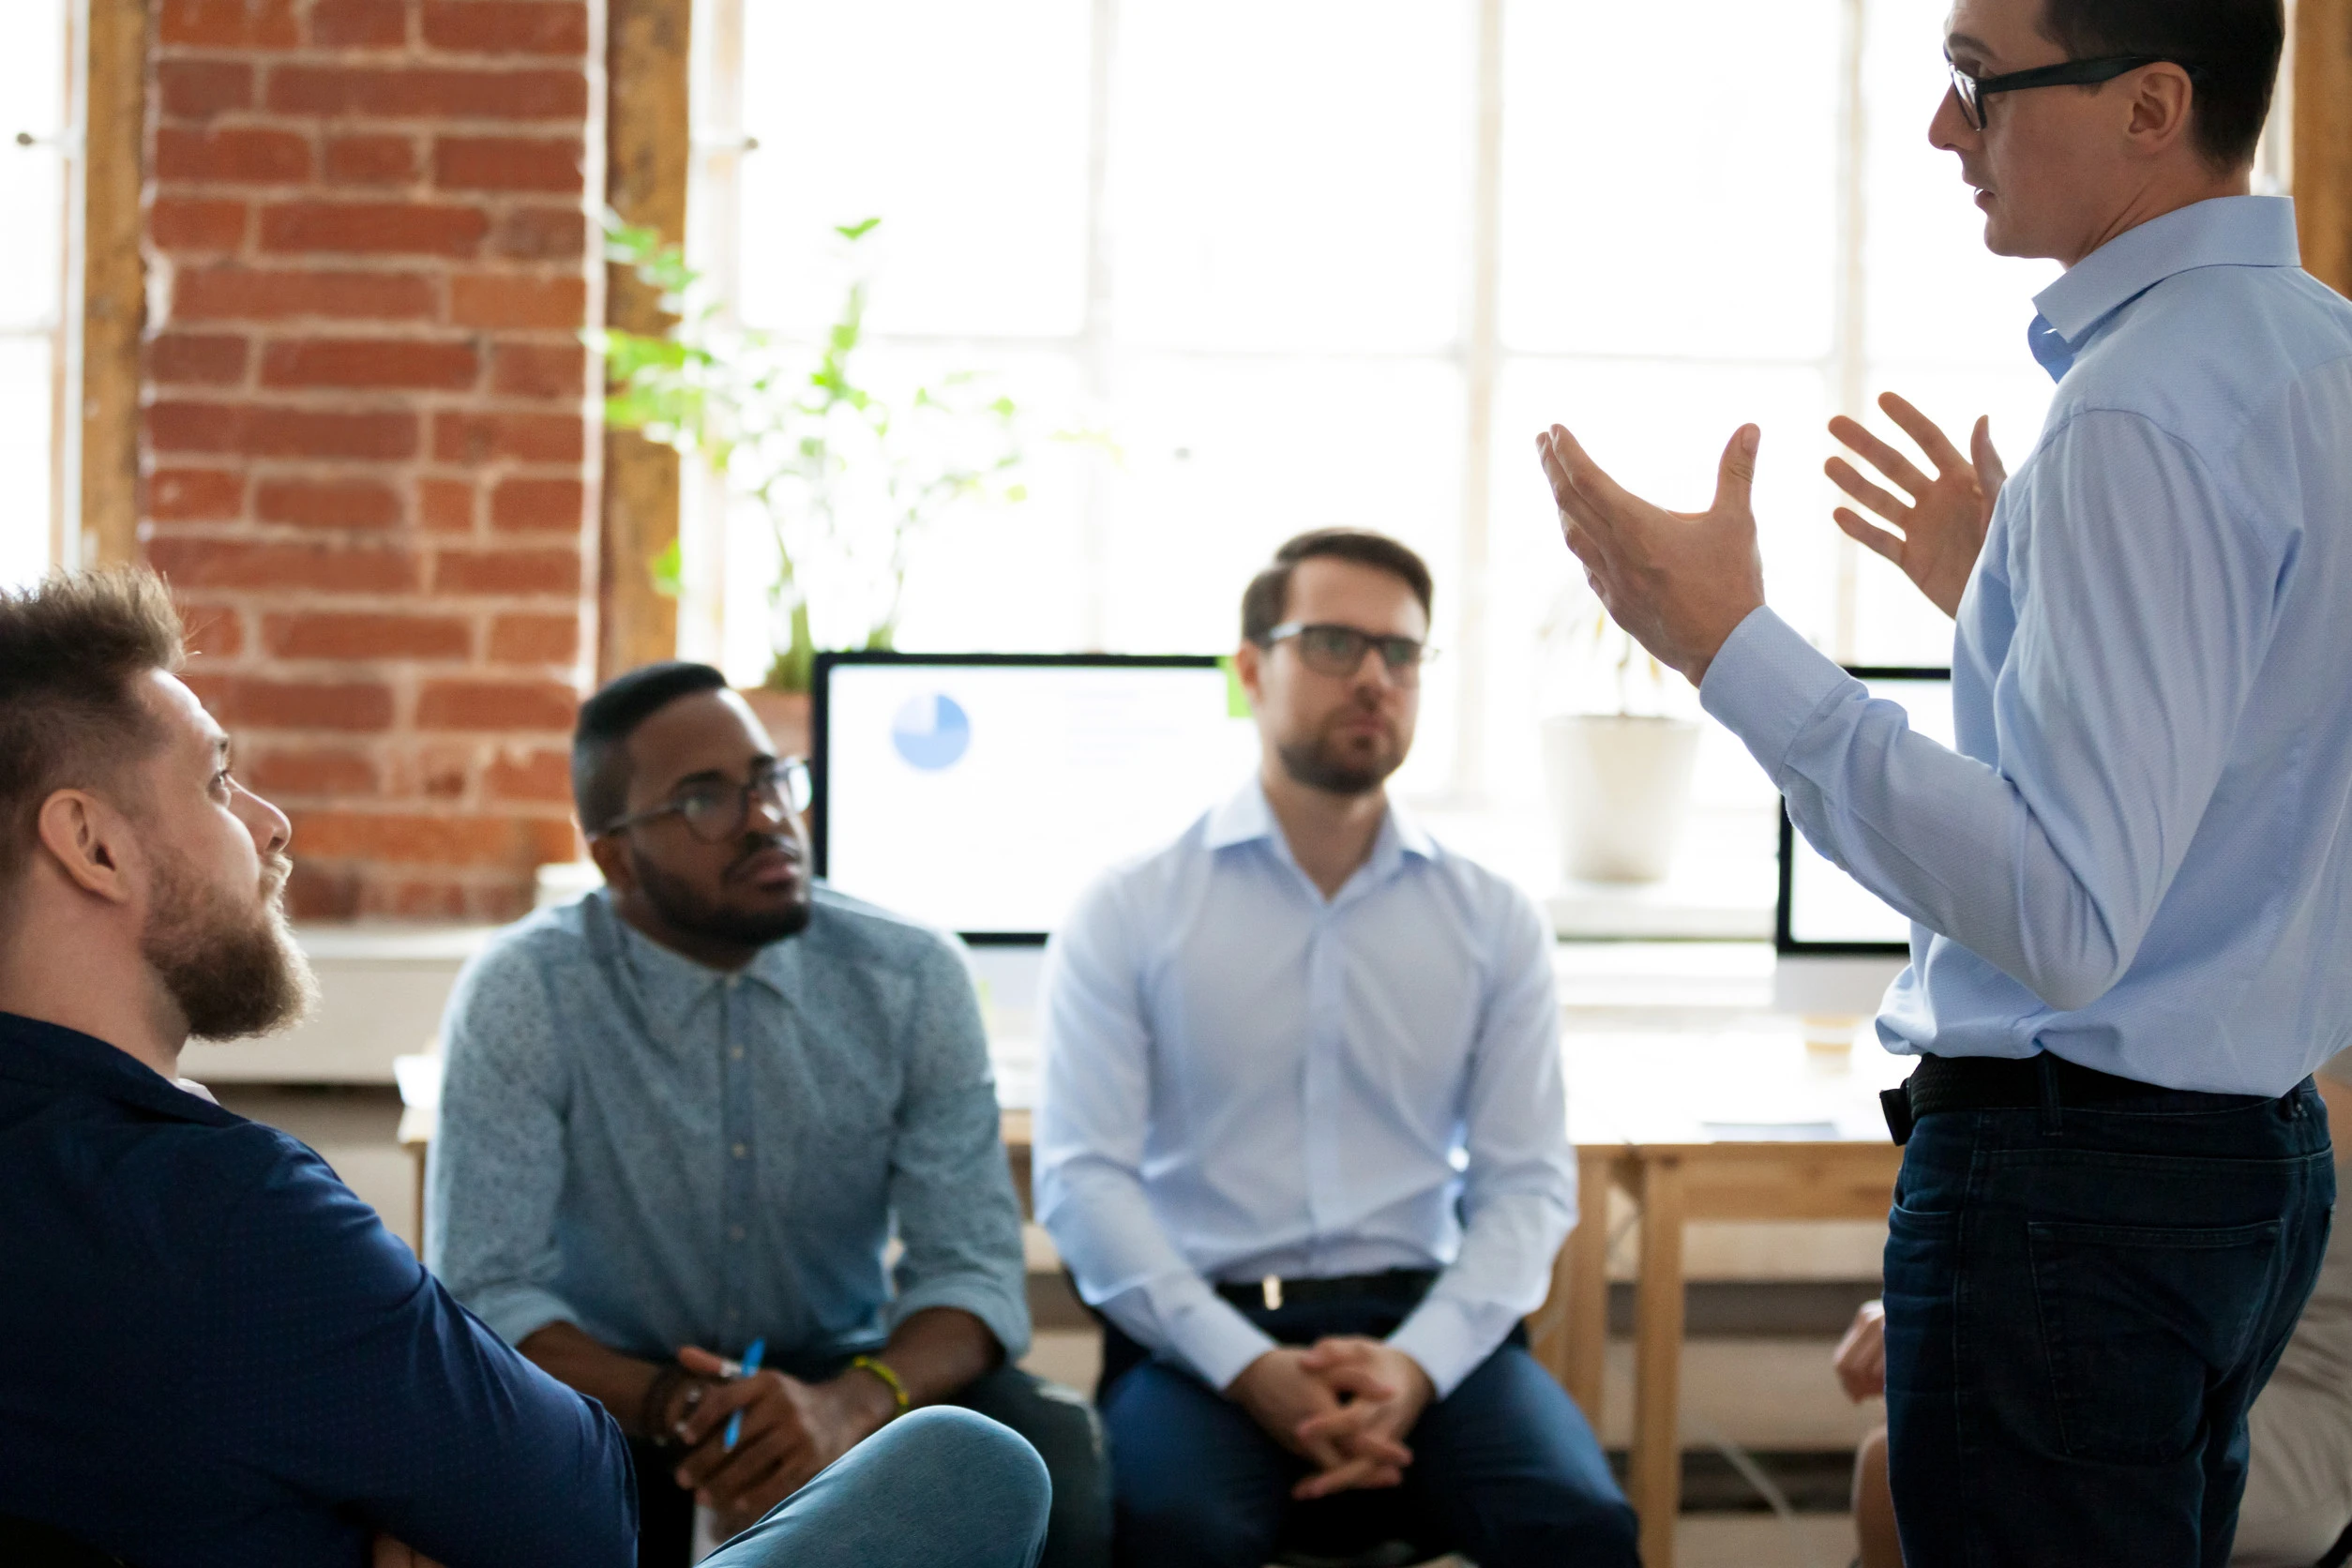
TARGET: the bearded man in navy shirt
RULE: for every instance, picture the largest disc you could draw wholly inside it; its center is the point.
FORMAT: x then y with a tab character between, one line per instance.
211	1352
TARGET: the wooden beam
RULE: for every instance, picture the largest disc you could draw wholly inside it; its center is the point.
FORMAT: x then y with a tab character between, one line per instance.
2323	139
113	279
647	137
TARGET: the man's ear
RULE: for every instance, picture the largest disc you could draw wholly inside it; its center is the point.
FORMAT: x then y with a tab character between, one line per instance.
612	858
2162	102
90	842
1249	668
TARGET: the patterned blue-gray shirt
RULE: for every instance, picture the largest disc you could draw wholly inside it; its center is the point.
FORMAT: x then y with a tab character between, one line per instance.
668	1154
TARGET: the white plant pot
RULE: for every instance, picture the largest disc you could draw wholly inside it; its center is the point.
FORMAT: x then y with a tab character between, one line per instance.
1620	789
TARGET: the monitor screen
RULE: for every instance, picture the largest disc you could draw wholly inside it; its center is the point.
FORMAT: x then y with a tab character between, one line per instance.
983	793
1822	910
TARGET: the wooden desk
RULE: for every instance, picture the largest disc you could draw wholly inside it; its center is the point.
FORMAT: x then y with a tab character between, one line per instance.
1670	1185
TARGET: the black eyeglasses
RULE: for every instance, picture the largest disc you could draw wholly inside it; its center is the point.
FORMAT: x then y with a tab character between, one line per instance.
1974	90
715	809
1330	650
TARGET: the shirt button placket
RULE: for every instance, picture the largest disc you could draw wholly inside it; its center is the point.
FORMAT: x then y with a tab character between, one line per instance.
735	1131
1320	1099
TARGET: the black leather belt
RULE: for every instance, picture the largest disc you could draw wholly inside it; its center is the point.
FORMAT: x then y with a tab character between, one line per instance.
1941	1083
1402	1286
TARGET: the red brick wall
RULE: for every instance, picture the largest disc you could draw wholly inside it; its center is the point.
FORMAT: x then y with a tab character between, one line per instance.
368	449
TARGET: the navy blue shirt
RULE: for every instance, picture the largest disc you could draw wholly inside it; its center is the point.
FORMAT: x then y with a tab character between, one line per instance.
211	1352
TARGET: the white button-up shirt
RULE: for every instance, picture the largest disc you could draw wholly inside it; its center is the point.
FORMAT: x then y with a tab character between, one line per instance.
1243	1079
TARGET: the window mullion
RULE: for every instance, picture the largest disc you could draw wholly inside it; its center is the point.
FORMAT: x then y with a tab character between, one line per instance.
1849	367
1481	365
1095	334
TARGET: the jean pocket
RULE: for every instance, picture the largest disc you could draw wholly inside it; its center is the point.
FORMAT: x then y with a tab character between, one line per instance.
2138	1321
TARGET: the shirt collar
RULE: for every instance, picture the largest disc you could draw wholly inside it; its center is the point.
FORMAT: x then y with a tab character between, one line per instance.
669	986
1247	817
33	1051
2228	230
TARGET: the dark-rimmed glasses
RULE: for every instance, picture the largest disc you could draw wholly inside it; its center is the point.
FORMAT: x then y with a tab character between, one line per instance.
1974	90
715	809
1335	650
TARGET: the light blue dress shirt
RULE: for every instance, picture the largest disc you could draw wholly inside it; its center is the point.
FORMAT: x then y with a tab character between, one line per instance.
1243	1080
667	1155
2140	857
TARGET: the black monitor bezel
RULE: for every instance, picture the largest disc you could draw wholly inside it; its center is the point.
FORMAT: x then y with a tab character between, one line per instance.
820	687
1787	946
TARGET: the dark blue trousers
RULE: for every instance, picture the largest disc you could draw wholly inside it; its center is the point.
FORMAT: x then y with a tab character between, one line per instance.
2081	1304
1505	1469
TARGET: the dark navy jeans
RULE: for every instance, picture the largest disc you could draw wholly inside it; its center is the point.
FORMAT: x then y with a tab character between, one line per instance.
2081	1304
1505	1469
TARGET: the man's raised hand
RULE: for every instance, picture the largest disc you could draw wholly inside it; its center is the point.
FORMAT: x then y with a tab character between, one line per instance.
1679	582
1943	528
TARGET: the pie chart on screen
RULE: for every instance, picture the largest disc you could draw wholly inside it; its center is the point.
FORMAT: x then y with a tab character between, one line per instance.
931	732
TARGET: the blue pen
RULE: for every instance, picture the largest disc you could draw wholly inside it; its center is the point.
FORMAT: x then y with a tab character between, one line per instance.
750	1364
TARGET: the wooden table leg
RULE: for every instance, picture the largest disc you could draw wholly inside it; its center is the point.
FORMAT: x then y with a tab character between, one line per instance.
1656	1472
1585	1291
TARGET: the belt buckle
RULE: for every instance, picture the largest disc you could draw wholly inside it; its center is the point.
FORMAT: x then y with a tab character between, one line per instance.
1271	1289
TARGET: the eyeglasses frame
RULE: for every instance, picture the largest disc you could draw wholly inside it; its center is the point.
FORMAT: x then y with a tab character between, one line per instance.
1972	91
777	774
1408	668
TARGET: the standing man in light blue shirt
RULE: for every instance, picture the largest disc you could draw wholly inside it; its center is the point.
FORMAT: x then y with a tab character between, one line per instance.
1303	1139
2132	883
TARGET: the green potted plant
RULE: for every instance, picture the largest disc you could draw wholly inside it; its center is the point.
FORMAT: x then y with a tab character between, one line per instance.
848	479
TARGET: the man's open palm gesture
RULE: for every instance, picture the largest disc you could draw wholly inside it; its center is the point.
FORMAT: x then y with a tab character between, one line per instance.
1942	530
1679	582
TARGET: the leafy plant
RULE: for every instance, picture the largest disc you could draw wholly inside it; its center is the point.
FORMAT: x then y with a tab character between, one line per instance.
846	478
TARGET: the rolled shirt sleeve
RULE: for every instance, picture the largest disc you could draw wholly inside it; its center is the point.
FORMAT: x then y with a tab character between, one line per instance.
1093	1115
950	1187
495	1173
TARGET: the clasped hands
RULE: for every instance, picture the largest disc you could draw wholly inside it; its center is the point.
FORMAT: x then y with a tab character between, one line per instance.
1343	1404
1680	582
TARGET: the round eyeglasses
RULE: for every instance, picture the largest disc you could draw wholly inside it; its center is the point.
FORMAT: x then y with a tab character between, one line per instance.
716	810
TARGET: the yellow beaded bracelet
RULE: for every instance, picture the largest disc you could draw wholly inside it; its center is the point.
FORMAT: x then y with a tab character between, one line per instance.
890	1379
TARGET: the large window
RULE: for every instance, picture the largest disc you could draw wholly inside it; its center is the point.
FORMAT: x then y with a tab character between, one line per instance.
36	154
1324	260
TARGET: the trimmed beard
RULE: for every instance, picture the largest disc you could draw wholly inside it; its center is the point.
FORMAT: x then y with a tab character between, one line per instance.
1313	764
232	970
685	909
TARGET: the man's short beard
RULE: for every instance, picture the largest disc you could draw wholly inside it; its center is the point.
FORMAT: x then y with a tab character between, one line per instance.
232	968
686	909
1313	763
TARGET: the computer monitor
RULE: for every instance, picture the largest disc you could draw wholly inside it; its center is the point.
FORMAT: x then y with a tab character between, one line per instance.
982	792
1838	944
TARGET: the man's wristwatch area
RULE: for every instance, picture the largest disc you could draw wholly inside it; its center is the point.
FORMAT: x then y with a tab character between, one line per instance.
654	1424
889	1379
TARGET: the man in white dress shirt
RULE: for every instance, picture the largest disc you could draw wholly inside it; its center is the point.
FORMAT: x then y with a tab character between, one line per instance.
1303	1140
